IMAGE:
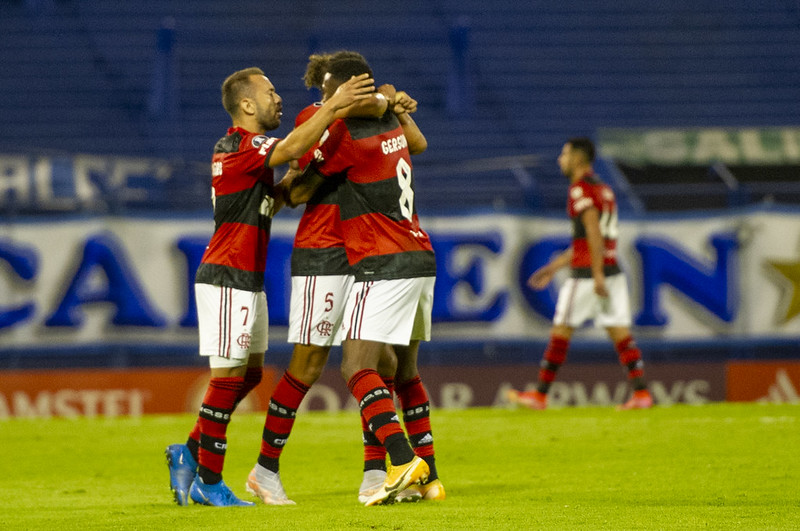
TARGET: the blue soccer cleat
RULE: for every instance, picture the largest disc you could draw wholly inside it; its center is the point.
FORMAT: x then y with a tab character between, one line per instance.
182	469
218	495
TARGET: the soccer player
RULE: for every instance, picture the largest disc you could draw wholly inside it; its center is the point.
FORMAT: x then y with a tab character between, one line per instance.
321	279
320	282
597	288
390	302
229	284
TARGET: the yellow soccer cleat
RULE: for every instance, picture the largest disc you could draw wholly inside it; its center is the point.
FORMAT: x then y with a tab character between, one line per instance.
397	479
433	490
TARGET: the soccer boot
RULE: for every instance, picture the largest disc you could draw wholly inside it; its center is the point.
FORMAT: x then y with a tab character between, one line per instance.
372	482
529	399
397	479
266	486
432	490
639	400
182	469
217	495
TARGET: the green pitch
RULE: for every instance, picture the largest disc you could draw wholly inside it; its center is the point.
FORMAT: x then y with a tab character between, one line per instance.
720	466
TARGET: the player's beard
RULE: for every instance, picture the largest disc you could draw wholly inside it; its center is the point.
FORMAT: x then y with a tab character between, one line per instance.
269	119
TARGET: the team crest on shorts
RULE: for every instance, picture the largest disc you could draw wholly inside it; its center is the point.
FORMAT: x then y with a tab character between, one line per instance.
325	328
243	341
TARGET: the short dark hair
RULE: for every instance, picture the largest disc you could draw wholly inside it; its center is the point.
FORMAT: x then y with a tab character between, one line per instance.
584	145
318	64
344	67
237	86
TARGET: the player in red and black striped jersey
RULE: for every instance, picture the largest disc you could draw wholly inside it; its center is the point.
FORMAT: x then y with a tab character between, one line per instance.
394	270
597	289
229	285
320	282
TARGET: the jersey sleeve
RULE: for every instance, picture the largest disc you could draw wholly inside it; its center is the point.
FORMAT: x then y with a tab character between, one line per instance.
258	151
332	154
581	198
304	115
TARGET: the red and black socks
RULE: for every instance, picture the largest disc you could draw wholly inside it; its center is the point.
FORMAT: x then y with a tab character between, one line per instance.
215	414
631	358
554	357
377	408
283	404
417	420
374	452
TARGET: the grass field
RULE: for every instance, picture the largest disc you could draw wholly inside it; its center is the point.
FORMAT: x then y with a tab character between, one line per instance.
719	466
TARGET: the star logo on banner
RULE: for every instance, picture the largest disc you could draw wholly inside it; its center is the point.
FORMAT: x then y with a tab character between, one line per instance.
791	273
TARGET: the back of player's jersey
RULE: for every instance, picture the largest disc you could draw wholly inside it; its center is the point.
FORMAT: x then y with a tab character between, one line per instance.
380	224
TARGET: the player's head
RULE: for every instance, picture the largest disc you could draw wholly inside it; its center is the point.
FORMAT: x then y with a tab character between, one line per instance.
341	68
318	66
251	100
576	155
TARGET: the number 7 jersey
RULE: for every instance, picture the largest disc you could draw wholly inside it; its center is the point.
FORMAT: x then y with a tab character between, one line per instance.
380	226
584	194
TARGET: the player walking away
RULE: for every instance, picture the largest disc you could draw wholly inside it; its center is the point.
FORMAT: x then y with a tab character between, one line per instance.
597	288
391	299
321	279
229	285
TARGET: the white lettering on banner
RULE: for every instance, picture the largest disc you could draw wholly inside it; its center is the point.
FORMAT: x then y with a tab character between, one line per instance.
125	279
83	180
564	394
461	395
14	179
73	403
782	391
768	145
456	396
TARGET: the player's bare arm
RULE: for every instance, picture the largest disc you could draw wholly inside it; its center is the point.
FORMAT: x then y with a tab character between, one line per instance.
372	107
542	277
594	239
302	138
403	103
284	186
403	106
299	188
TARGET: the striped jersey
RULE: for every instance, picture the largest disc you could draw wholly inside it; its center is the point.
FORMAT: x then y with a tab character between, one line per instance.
318	242
381	230
242	194
591	192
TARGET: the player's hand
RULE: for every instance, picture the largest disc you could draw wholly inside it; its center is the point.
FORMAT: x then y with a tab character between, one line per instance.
404	103
600	286
540	278
356	88
388	92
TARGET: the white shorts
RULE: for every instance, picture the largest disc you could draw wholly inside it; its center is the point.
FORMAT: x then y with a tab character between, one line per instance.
316	309
578	303
233	323
390	311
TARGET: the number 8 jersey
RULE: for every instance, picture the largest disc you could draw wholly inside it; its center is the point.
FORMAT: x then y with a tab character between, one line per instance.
584	194
380	226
